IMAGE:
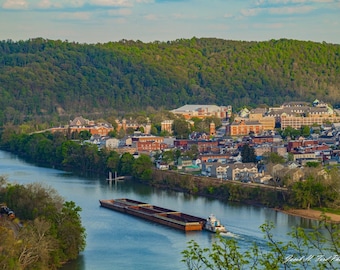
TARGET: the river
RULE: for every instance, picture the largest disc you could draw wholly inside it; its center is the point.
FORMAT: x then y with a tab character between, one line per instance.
119	241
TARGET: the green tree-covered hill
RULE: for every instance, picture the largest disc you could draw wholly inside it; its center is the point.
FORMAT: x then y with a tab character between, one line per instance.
44	78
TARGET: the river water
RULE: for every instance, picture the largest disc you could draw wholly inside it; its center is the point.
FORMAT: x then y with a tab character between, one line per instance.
119	241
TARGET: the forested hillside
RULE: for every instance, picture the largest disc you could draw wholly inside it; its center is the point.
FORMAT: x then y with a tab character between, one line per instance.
49	78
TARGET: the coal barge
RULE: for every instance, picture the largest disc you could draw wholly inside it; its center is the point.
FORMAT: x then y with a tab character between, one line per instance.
156	214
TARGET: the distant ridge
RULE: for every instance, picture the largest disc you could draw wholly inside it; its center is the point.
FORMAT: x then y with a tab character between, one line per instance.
52	79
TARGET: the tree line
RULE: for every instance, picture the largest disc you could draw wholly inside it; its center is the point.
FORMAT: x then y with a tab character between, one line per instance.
56	150
52	79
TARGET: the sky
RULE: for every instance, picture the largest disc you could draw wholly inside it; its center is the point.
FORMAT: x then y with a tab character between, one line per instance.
101	21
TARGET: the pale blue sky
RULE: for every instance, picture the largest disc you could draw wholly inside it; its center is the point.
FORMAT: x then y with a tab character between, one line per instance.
92	21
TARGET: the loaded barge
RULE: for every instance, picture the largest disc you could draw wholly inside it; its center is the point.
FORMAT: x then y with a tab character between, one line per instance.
156	214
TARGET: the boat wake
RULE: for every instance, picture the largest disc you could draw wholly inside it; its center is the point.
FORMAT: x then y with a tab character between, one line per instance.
230	234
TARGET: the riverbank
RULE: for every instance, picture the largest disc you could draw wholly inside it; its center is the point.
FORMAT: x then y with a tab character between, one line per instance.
311	214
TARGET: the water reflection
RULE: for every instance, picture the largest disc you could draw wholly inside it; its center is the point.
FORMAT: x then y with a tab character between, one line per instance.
119	241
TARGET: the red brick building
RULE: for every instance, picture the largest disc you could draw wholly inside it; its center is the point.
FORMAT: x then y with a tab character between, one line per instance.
238	128
147	146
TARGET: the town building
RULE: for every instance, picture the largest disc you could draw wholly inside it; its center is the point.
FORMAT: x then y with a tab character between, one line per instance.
267	122
112	143
149	146
79	124
242	171
203	111
297	122
243	127
299	114
125	124
166	125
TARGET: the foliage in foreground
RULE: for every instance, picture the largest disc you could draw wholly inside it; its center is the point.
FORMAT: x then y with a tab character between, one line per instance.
48	233
318	248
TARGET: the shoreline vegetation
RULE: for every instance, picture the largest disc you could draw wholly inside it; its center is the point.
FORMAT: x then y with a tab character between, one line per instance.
57	151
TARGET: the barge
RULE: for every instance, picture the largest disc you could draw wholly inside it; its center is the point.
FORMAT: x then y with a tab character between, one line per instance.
156	214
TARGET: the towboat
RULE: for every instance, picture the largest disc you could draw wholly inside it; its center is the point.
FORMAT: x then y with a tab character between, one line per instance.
214	225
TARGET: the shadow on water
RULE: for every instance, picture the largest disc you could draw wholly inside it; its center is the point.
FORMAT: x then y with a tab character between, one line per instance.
78	264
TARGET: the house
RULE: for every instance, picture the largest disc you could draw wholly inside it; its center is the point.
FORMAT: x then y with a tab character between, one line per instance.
209	157
197	162
295	175
265	179
205	146
240	171
293	165
336	126
260	150
181	144
281	150
184	162
162	165
206	168
112	143
219	170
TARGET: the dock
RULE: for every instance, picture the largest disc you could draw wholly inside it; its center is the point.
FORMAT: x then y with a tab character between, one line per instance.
155	214
116	178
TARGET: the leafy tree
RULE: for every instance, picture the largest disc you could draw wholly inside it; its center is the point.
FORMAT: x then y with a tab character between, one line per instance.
199	125
192	152
125	165
274	158
168	156
130	131
112	161
181	128
313	164
305	131
142	168
248	153
70	232
291	132
177	154
121	134
155	131
308	193
112	134
71	151
85	135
